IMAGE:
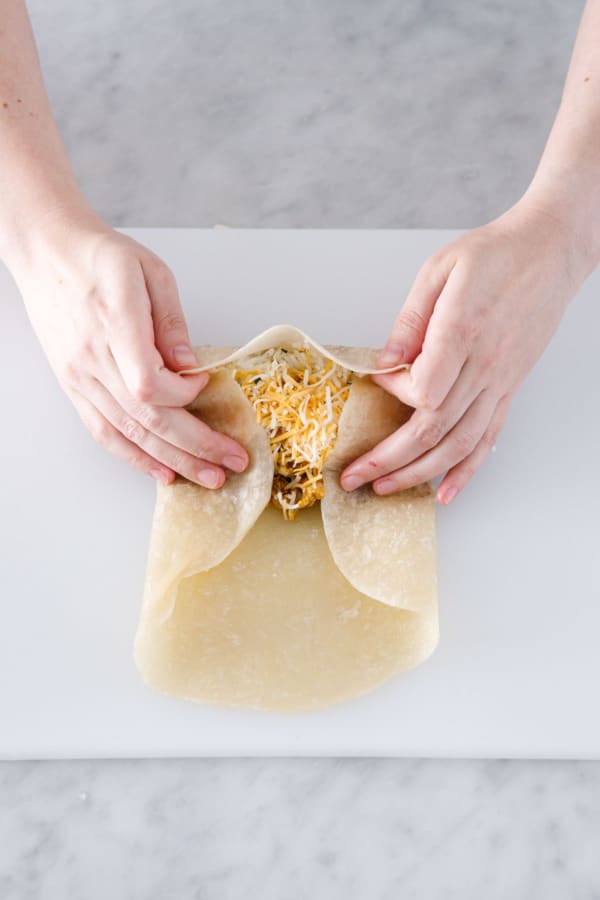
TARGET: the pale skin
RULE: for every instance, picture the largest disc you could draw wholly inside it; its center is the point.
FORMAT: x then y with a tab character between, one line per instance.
479	315
104	308
483	309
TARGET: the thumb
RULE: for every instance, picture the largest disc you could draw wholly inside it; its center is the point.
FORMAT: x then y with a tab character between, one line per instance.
408	331
170	329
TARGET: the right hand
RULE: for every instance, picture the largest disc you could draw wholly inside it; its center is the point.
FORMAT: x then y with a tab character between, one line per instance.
108	316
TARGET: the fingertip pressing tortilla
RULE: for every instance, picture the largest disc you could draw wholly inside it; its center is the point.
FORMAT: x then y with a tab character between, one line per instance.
305	605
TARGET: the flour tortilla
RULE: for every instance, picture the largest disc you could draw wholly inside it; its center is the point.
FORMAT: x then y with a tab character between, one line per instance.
359	359
243	608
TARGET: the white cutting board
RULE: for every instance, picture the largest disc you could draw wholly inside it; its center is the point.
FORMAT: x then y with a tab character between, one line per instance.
518	667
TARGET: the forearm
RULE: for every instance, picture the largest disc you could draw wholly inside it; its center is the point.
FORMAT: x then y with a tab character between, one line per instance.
567	181
36	179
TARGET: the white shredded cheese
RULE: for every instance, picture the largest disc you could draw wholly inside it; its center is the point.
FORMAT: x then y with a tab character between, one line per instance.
298	396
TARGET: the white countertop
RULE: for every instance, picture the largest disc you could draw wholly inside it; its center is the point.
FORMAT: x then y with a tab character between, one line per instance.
517	668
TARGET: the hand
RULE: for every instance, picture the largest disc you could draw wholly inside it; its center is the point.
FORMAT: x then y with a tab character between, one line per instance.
480	313
107	313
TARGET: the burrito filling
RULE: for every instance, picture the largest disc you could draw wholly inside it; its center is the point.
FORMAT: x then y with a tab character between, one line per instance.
298	396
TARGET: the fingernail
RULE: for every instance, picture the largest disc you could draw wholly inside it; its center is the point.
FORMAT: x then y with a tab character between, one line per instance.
386	486
160	475
448	495
391	355
209	478
184	355
350	482
236	463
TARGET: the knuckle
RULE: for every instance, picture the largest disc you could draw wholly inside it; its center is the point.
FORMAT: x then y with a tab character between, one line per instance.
428	433
171	322
203	451
127	264
101	431
504	405
137	461
488	364
207	444
179	461
79	362
71	373
151	418
405	481
411	320
471	330
133	431
108	300
490	437
423	394
162	275
422	398
465	442
84	352
427	275
143	386
92	295
111	313
439	259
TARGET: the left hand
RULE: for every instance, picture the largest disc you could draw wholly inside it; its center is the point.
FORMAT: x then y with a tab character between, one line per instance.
479	315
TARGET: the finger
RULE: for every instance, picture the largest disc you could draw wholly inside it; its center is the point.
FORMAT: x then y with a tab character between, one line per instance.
460	475
179	427
456	446
200	471
420	434
171	335
409	328
129	324
435	370
108	436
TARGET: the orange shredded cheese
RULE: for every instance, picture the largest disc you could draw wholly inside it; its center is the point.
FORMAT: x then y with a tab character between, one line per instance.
298	396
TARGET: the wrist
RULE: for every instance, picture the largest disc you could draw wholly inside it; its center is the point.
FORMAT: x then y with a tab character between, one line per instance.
573	214
43	231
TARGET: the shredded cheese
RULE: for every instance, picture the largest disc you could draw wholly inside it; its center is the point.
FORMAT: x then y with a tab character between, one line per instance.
298	396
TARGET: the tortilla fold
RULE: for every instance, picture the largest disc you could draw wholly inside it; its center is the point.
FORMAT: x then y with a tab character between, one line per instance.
242	608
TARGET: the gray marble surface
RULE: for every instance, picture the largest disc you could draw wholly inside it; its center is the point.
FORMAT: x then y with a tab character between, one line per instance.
300	829
310	114
321	113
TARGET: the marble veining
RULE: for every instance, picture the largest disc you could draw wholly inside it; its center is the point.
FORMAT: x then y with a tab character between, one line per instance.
313	114
336	114
295	829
